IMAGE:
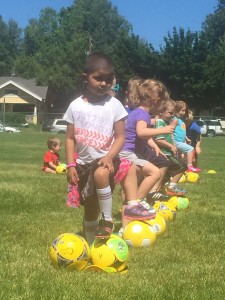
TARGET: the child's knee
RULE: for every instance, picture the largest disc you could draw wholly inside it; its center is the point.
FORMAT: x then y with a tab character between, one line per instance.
101	175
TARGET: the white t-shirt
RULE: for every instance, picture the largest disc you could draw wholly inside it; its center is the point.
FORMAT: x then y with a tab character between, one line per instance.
93	126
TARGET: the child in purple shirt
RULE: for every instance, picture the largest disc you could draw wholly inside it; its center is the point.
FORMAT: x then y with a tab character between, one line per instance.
139	146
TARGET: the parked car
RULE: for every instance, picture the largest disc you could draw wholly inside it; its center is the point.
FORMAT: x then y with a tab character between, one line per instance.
9	129
212	127
58	126
202	126
47	124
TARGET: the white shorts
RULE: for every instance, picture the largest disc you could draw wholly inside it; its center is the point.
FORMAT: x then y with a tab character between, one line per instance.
133	158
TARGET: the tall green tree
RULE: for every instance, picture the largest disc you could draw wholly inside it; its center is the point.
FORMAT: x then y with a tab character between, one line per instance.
182	65
56	45
10	45
214	26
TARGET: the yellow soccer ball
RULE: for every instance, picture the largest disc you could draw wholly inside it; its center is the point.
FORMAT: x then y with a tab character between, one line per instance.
139	234
158	224
192	177
110	253
166	212
180	203
70	251
183	178
60	169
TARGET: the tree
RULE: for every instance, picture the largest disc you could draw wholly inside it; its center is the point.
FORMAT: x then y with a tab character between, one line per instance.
56	45
214	25
182	64
10	43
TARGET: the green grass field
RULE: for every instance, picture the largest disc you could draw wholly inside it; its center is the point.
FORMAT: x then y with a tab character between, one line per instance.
187	262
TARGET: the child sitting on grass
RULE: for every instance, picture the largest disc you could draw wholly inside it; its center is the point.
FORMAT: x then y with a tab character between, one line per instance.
51	157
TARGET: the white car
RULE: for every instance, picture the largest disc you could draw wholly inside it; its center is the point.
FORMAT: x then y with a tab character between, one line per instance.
9	129
58	126
210	127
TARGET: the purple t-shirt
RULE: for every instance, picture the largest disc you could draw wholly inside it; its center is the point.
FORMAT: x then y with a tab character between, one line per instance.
132	142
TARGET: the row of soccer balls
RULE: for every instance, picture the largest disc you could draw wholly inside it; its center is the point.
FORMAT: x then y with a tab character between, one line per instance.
71	251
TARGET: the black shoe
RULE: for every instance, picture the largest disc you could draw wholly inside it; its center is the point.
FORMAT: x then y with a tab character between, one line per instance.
157	196
104	229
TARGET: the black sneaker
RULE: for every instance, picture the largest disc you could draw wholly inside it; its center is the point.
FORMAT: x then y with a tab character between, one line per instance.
104	229
154	196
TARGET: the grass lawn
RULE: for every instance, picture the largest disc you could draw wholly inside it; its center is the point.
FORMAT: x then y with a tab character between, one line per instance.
187	262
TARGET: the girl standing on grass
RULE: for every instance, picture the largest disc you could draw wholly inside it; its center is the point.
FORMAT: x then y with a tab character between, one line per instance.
181	111
96	122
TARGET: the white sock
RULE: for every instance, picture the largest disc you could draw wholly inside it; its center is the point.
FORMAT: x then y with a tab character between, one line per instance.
172	184
132	202
90	230
105	202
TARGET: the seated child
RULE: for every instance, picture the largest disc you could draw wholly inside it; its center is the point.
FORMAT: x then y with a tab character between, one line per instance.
138	148
165	141
181	110
51	157
193	137
95	130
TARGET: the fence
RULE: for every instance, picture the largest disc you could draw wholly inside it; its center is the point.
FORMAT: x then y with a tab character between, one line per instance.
19	119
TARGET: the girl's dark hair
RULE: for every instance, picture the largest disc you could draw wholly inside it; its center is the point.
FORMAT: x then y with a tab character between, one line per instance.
96	61
53	142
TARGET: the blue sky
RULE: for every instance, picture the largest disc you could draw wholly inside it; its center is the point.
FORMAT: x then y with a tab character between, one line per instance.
151	19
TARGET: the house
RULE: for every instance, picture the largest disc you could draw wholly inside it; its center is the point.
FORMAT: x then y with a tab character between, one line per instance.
23	95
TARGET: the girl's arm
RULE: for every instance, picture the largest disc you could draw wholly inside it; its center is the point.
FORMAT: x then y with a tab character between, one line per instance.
145	133
198	145
118	142
155	147
164	144
70	150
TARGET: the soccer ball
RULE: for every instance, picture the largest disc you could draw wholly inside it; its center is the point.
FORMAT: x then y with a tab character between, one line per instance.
179	203
139	234
192	177
70	251
165	211
158	224
110	253
61	169
183	178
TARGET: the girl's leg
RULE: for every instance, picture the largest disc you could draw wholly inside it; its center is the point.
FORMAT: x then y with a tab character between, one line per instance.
132	208
158	184
104	194
151	175
190	158
90	222
49	170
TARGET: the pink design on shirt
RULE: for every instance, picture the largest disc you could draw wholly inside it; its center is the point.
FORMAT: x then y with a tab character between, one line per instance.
92	138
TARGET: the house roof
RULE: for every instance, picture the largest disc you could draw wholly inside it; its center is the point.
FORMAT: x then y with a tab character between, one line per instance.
27	85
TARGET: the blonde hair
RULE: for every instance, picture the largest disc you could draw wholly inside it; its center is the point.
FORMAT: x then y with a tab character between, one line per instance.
190	115
53	142
133	99
166	104
140	90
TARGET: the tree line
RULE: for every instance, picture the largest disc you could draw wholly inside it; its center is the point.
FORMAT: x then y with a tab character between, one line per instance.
53	48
